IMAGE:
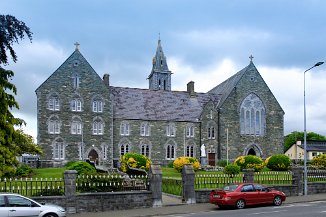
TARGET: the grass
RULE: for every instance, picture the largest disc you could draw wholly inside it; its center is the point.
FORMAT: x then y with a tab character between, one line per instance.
48	173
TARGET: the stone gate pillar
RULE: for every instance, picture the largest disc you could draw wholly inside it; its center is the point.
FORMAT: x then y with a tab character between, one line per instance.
297	179
188	184
155	184
248	175
70	190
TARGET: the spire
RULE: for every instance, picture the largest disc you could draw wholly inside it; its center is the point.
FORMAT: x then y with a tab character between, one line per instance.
160	77
159	60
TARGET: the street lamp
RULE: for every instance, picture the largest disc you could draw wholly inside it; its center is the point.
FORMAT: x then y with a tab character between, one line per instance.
305	129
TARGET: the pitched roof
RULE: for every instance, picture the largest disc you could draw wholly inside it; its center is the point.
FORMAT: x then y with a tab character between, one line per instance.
144	104
225	88
315	145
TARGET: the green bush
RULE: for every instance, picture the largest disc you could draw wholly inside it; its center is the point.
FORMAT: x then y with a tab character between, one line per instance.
250	161
23	170
278	162
82	167
135	160
319	161
69	163
231	169
222	163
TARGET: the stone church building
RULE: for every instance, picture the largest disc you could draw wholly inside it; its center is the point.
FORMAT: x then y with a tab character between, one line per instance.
81	116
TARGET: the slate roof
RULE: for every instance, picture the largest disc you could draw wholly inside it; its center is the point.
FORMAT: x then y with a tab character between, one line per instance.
144	104
224	89
315	145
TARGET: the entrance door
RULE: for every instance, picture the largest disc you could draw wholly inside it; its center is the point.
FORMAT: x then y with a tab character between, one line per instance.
211	159
93	157
251	152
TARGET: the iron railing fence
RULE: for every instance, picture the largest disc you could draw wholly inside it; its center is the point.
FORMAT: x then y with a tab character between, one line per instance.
213	181
33	187
315	175
111	183
172	185
273	178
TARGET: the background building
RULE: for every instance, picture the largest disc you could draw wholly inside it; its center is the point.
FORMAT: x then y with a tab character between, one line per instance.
80	116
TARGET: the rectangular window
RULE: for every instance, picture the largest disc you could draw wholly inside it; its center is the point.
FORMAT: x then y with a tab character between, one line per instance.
124	129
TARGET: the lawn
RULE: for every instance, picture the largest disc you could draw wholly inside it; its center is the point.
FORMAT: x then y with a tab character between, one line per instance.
48	173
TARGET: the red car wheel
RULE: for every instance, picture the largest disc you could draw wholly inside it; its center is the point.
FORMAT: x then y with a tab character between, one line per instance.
240	204
277	201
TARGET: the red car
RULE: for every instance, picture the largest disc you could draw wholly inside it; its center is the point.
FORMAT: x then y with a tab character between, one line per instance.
241	195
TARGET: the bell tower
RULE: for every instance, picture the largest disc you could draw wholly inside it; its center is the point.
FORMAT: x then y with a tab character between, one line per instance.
160	77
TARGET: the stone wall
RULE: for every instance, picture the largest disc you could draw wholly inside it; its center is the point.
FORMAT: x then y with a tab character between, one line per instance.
99	202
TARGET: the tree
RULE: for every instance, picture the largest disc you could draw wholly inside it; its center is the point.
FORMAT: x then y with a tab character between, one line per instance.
295	136
13	142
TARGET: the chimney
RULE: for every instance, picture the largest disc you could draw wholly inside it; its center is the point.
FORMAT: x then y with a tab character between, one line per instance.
106	79
191	89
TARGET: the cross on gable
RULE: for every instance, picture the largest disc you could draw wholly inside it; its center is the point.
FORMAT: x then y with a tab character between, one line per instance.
251	57
77	45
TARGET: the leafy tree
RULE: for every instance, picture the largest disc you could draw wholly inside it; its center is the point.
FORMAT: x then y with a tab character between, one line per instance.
295	136
12	142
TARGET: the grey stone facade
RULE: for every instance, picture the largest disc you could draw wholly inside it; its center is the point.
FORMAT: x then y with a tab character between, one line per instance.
80	116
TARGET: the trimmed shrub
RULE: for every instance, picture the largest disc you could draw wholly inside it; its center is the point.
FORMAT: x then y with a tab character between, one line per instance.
23	170
250	161
69	163
278	162
319	161
134	160
181	161
222	163
231	169
82	167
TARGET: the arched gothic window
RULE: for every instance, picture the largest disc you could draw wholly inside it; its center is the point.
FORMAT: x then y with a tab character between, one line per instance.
76	126
58	150
124	148
252	116
145	129
54	125
145	149
170	152
170	130
124	128
54	103
98	127
190	151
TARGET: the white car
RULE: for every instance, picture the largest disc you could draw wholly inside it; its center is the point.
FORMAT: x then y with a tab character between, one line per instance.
17	205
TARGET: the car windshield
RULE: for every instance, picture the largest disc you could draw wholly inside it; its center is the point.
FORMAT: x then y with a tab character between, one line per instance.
230	187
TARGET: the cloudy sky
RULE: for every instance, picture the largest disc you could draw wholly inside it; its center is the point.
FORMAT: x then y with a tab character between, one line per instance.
205	41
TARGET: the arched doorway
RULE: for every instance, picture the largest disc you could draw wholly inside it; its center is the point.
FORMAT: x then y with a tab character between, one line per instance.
252	152
93	157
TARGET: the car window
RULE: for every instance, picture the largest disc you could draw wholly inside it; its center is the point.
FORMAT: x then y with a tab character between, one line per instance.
247	188
16	201
230	187
2	201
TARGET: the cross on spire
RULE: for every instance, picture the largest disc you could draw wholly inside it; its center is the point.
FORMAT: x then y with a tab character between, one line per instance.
77	45
251	57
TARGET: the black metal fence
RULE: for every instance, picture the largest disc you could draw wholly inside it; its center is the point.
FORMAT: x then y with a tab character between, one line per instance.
33	187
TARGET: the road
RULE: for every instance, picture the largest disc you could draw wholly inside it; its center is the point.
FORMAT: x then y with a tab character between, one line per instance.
310	209
307	209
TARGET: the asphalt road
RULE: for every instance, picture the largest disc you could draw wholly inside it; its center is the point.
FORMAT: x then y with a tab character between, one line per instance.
309	209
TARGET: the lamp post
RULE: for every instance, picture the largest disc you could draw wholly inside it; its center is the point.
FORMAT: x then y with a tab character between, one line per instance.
305	128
